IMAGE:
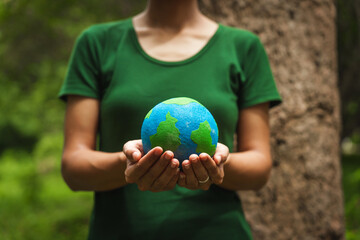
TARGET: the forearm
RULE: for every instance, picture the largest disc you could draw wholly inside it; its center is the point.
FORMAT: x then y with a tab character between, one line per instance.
90	170
248	170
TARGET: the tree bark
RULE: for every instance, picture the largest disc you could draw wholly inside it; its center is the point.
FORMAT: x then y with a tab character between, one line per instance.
303	199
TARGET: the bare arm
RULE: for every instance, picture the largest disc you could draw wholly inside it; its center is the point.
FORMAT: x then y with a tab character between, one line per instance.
84	168
249	168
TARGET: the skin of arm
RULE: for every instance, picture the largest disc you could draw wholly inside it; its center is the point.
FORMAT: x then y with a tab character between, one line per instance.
83	168
250	167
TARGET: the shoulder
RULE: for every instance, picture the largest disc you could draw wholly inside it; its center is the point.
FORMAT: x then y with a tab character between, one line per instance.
239	32
105	31
108	27
241	37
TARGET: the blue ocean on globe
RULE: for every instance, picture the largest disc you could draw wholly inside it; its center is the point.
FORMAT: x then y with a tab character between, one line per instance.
181	125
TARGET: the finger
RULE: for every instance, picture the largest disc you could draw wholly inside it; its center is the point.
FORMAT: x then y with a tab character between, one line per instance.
182	180
205	186
191	180
221	154
166	176
212	169
173	181
135	171
199	170
136	156
133	150
147	180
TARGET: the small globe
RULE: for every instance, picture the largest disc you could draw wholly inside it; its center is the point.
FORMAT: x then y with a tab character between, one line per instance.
181	125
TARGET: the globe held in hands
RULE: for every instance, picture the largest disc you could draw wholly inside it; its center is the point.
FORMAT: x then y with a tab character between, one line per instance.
181	125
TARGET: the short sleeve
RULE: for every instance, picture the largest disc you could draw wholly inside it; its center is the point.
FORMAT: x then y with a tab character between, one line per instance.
83	73
258	85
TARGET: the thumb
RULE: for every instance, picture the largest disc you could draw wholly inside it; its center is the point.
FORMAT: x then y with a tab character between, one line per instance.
136	155
132	150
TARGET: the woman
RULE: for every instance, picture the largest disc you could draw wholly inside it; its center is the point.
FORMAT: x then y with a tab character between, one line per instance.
120	70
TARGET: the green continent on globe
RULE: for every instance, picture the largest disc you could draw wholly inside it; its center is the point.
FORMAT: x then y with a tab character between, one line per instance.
180	101
203	139
167	134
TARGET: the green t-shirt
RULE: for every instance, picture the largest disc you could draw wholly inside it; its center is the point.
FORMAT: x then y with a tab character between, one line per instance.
231	72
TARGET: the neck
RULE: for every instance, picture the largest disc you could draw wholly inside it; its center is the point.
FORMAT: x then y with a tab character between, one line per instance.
174	14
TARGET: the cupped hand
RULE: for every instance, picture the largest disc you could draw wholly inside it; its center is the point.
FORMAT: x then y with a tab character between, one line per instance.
199	172
155	171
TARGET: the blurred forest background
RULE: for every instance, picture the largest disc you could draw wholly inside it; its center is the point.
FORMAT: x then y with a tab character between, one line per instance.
36	39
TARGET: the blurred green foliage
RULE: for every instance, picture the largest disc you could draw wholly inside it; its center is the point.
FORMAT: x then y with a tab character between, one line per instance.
35	203
36	38
351	186
348	31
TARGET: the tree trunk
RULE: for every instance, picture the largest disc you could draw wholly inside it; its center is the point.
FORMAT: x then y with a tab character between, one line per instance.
303	199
